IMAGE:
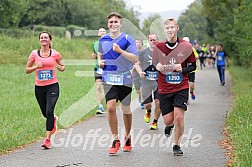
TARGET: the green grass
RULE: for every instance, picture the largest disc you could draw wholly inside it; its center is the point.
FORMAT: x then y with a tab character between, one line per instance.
239	121
16	51
21	121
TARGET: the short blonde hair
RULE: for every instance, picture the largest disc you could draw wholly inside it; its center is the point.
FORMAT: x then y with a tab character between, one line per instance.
166	21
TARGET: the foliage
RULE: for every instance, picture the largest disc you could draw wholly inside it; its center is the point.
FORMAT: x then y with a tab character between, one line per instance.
221	21
55	31
84	13
16	50
148	22
239	120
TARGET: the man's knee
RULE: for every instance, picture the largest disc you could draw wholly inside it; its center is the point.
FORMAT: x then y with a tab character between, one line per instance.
125	109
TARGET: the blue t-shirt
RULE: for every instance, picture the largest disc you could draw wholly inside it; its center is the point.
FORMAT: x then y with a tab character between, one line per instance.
221	58
116	64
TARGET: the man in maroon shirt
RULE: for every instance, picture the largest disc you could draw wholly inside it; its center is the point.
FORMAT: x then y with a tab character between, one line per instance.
173	58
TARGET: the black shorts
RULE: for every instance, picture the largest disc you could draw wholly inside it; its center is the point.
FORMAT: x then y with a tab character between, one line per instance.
118	92
191	76
171	100
96	75
147	91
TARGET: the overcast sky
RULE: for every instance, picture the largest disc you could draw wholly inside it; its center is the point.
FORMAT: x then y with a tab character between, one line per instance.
159	5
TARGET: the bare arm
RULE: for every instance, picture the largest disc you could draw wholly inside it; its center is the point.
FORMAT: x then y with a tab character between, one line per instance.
30	67
101	62
139	69
227	60
60	66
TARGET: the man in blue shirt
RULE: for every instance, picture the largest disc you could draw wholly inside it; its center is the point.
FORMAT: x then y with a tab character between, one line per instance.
117	54
221	57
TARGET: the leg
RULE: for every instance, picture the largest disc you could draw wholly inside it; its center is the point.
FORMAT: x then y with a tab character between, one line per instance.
219	72
127	118
179	122
223	75
147	100
40	94
99	90
51	100
112	118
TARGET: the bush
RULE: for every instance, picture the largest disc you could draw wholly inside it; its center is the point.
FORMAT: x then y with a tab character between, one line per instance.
76	31
17	33
55	31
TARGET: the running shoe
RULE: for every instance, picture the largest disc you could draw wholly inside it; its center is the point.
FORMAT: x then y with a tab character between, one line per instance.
142	106
55	124
100	110
46	144
193	96
154	126
147	117
168	130
115	147
177	150
127	146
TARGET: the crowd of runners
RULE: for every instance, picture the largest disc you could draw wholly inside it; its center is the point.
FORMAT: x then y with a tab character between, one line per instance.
163	75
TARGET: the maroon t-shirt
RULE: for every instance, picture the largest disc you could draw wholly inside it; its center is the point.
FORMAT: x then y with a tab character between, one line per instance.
181	54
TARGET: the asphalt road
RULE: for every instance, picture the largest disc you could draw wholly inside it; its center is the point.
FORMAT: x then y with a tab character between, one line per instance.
86	144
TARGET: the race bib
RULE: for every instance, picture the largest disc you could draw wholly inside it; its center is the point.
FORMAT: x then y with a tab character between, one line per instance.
99	71
219	58
45	75
151	75
174	77
114	79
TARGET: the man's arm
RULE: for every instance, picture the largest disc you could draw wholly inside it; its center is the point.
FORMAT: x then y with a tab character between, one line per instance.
130	56
226	57
190	67
101	62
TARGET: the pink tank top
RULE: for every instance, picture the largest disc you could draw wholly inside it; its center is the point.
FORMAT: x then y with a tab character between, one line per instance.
46	75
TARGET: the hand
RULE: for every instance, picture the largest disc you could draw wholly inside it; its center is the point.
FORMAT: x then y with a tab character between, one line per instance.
160	67
177	67
39	64
101	63
117	48
94	56
60	67
142	74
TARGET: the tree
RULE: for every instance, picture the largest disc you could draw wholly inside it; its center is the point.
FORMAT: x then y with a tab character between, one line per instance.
11	12
151	21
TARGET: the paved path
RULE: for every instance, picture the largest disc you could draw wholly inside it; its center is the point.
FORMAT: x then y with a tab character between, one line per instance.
79	146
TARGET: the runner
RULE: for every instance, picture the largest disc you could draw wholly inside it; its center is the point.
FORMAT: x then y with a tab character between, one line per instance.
136	76
202	55
117	54
222	59
191	75
98	73
149	76
174	59
43	62
212	51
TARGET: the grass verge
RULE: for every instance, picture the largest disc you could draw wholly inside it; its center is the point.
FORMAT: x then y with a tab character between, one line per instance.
238	123
21	121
